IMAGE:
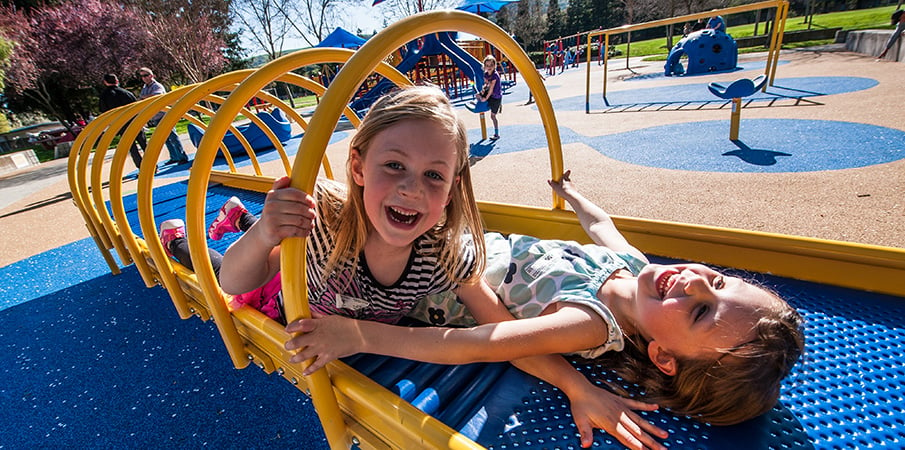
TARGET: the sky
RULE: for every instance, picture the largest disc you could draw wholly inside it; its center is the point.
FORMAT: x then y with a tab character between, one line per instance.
359	16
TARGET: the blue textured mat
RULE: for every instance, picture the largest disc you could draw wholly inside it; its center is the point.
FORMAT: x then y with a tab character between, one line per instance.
97	360
169	203
107	363
241	160
846	393
764	146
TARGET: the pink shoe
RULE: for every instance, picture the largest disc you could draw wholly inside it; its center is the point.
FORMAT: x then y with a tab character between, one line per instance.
169	231
228	219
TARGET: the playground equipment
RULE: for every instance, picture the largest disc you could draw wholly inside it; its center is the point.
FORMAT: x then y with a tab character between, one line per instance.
433	44
735	92
257	139
707	51
356	409
782	11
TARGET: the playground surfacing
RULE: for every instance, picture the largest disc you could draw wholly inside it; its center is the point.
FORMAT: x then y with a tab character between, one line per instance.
856	202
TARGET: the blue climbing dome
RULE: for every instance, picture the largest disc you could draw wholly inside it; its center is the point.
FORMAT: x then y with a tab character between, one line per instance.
707	50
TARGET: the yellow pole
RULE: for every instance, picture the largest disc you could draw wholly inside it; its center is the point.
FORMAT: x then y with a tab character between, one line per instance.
736	116
483	127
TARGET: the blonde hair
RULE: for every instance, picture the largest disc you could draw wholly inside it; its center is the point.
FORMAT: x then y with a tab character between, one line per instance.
490	58
350	224
740	384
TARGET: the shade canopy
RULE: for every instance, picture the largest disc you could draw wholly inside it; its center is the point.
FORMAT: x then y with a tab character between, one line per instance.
342	39
483	6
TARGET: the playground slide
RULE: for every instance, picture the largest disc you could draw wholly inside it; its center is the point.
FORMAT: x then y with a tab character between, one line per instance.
408	64
431	46
468	64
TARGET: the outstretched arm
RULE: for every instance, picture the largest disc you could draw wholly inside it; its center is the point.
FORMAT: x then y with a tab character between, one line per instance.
255	258
595	221
532	343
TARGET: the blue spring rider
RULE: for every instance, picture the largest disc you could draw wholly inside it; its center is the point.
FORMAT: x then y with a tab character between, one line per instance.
708	50
736	91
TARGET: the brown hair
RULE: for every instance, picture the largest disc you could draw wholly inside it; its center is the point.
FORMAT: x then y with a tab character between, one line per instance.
461	217
740	384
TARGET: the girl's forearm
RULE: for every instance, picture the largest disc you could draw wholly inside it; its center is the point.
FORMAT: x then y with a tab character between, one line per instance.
430	344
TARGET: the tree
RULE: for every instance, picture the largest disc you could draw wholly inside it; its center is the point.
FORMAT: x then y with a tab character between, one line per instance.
529	23
193	52
578	18
555	20
397	9
313	20
62	52
215	14
264	23
6	50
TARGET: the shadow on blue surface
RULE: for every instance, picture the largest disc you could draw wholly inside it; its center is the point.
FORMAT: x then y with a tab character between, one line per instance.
757	157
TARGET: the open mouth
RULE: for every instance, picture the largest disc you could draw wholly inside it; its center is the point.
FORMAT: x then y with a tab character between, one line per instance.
665	282
402	217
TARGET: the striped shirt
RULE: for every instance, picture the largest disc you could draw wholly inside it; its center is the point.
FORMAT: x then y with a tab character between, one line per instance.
363	297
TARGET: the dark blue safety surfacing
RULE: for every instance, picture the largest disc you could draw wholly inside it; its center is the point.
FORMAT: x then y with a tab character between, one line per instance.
847	392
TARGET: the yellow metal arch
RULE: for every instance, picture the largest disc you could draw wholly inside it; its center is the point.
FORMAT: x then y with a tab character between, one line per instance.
327	115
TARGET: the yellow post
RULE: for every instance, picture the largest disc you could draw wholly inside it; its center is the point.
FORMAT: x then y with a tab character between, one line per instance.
736	116
483	128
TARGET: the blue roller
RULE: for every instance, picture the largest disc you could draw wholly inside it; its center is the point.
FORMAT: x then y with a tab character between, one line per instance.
440	391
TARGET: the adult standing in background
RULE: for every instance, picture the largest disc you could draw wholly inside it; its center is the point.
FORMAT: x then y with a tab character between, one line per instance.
151	88
114	96
898	19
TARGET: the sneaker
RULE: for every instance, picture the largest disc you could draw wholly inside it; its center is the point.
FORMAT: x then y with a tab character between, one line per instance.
228	219
494	137
171	230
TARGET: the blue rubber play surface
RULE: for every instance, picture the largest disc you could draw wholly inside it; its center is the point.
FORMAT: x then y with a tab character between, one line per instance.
764	145
809	88
95	360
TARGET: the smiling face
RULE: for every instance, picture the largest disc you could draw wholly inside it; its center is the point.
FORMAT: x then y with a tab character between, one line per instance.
406	176
691	310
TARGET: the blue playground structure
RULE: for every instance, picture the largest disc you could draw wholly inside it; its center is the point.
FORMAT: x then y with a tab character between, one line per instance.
257	139
431	45
735	92
708	50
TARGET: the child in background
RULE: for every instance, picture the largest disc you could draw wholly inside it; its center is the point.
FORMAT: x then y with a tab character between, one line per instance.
699	342
492	93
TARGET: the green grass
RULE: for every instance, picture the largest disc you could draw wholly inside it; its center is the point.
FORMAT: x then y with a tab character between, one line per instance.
874	18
